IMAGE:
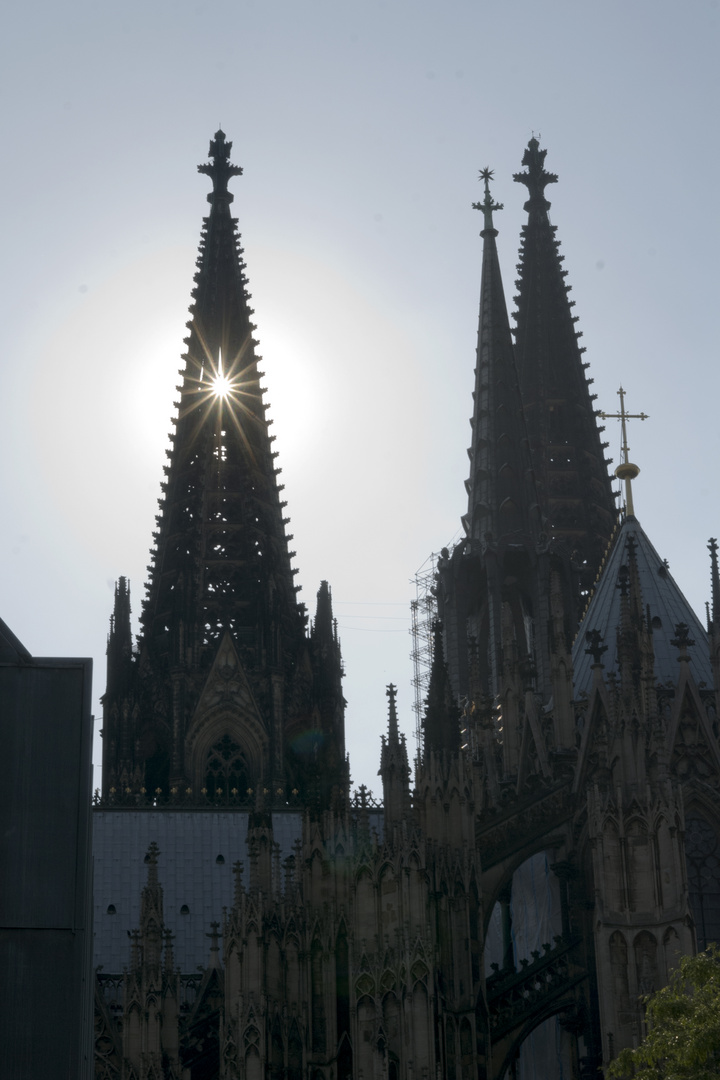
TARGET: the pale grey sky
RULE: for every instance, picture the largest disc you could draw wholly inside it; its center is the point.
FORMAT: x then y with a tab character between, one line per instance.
361	128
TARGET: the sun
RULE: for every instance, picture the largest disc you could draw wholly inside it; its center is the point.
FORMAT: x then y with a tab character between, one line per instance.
221	385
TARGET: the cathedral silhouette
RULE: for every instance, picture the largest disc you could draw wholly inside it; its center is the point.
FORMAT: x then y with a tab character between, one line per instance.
557	845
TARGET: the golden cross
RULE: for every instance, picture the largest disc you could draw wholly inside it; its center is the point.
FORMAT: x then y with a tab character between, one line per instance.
626	470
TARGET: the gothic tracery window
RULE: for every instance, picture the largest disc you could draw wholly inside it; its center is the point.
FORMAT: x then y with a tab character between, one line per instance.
702	855
226	769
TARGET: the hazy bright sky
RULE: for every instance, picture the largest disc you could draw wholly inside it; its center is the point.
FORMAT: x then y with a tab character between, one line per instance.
361	128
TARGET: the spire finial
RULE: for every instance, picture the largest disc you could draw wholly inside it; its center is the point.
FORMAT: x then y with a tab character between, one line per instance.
214	936
487	205
536	178
682	640
595	646
220	170
626	470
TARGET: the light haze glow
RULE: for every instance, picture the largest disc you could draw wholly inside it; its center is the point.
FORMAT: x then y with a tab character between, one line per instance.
361	128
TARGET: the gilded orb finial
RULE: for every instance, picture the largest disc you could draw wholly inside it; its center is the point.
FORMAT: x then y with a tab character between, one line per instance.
626	470
487	205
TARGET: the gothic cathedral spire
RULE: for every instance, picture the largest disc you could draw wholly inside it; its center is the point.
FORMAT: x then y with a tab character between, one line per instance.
489	587
221	560
570	467
501	489
227	692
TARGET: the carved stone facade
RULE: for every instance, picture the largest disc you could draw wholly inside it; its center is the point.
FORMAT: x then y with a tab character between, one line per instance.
558	846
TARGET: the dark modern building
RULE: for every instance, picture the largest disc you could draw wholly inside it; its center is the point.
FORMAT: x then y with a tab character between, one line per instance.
46	975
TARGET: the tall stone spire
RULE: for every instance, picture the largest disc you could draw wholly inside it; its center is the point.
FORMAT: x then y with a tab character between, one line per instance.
570	468
226	693
221	560
501	491
491	589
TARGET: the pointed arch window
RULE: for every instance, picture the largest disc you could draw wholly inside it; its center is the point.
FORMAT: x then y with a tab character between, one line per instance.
226	769
702	856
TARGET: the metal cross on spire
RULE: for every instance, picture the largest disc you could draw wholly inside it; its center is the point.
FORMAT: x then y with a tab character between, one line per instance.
487	205
626	470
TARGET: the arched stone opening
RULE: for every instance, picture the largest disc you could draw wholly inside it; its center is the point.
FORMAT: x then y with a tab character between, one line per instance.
226	769
527	914
702	858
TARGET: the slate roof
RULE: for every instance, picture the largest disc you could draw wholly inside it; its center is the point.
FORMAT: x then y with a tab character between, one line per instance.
667	605
190	842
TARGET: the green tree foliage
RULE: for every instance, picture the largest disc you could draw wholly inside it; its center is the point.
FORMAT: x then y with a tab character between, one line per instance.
683	1040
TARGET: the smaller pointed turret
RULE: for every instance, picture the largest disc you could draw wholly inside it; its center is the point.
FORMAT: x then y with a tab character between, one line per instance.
442	715
323	626
326	777
118	764
151	1006
394	766
119	644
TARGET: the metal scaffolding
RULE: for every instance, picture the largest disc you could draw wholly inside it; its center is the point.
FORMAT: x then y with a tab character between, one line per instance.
423	613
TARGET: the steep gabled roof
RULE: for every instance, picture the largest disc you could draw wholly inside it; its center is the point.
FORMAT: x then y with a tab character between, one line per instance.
661	597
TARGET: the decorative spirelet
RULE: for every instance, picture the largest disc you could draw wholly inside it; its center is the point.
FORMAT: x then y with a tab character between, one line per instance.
219	168
536	178
487	205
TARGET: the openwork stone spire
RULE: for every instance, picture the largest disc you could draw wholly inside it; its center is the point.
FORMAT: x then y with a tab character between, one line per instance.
501	495
216	704
222	557
568	459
